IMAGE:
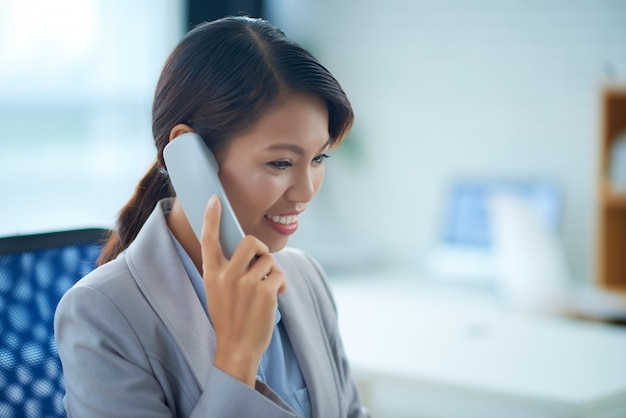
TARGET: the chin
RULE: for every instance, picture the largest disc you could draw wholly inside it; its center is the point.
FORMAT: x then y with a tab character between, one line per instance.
275	245
274	242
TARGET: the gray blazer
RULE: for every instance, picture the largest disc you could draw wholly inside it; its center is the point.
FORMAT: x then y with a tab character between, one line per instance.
135	341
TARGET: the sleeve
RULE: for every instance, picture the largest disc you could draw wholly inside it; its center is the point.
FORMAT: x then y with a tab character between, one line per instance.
107	372
351	397
228	397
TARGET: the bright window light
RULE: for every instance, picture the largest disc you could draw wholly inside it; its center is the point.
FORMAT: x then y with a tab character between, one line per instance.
76	85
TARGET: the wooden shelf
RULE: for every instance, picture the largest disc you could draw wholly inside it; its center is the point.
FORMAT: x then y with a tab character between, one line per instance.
612	213
611	199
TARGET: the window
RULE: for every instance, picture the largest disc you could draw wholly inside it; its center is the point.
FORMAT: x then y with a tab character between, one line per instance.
76	85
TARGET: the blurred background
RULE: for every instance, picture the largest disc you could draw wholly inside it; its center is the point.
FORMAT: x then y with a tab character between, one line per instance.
455	102
443	91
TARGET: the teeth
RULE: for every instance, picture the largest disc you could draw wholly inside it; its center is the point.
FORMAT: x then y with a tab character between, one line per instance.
284	220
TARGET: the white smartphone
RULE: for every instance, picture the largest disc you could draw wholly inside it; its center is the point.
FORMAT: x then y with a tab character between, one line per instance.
193	170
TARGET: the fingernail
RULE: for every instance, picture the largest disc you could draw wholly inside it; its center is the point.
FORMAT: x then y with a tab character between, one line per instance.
212	201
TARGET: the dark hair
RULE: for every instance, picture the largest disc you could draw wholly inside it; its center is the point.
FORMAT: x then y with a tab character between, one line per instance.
220	79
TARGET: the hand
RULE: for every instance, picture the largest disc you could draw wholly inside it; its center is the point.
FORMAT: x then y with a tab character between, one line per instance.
241	297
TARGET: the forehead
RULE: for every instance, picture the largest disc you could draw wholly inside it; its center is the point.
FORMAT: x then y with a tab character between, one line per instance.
299	122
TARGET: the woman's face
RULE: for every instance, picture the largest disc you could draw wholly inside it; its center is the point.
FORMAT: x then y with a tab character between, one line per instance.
273	170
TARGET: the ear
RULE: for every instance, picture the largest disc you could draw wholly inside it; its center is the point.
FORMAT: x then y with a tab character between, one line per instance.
180	129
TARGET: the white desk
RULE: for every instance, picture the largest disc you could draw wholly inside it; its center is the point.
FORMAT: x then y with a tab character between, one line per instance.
425	350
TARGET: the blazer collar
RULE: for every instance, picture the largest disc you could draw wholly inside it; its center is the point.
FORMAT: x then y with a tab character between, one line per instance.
303	322
159	273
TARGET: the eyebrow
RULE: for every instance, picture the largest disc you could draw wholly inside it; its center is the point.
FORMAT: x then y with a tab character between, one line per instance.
296	149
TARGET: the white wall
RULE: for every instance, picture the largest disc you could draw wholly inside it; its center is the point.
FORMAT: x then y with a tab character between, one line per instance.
441	90
447	89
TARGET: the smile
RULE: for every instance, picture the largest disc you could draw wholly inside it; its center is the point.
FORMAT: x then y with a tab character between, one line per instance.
283	220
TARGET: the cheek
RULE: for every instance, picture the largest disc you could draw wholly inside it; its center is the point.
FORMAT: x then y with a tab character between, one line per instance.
250	193
237	189
318	178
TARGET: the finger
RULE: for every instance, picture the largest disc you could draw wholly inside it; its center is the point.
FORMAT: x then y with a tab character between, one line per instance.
277	281
248	251
212	255
261	268
266	269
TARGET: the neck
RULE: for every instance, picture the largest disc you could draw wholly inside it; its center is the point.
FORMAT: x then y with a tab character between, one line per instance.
178	224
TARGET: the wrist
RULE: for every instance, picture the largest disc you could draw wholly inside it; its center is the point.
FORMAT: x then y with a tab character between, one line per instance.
241	366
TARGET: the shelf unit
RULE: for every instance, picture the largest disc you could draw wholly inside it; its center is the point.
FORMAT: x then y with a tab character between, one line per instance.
612	211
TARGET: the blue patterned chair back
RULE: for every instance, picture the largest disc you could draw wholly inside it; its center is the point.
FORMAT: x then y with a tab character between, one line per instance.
35	271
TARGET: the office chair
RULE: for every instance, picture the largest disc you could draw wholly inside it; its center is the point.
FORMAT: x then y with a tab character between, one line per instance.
35	271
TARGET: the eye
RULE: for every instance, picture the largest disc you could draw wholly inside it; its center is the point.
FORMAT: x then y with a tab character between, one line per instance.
320	159
280	165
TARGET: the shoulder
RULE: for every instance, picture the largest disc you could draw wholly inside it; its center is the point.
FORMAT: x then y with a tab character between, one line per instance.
107	277
95	300
105	287
107	304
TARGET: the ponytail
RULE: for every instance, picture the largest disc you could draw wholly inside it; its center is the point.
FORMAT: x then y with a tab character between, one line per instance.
153	187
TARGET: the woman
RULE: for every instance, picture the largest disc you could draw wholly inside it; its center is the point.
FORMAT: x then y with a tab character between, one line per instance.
167	326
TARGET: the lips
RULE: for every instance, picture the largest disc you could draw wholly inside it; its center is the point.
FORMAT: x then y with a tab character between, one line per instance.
285	224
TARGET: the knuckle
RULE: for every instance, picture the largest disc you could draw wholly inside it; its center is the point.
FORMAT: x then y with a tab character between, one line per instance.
278	279
248	240
256	244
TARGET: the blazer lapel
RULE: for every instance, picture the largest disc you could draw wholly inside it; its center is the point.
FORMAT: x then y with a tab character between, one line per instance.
302	320
160	274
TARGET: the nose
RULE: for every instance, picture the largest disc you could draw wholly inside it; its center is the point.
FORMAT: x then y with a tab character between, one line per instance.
304	186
